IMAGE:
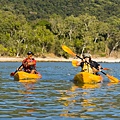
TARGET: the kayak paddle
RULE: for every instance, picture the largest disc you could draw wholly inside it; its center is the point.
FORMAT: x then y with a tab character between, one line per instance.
111	78
13	73
74	63
69	51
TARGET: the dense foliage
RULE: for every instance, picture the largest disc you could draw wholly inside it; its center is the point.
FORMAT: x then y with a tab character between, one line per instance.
44	25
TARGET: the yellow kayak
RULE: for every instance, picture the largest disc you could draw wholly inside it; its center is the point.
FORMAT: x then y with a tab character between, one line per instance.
85	77
28	80
21	75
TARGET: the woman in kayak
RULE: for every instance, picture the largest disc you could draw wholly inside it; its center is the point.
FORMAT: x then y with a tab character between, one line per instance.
89	65
29	63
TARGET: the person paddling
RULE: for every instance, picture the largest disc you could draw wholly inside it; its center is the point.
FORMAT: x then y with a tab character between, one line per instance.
88	65
29	63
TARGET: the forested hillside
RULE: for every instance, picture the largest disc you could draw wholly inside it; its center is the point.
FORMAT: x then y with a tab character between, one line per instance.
33	9
44	25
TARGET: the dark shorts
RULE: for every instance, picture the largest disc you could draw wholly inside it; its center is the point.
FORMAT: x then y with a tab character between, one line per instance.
32	68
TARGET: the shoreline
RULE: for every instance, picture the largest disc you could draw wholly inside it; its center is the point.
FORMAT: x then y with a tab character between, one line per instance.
49	59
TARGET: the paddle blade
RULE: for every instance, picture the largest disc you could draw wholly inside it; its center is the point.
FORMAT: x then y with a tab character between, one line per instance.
12	74
112	79
68	50
106	69
74	63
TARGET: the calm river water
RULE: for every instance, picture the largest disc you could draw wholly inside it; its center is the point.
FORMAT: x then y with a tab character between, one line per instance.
56	97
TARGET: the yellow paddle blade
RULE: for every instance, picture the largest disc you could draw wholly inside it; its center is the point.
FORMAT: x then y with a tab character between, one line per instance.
68	50
112	79
74	63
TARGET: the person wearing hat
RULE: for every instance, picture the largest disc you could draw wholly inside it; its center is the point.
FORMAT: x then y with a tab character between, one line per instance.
29	63
88	65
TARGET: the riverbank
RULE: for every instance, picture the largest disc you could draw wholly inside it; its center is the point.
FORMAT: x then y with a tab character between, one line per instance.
56	59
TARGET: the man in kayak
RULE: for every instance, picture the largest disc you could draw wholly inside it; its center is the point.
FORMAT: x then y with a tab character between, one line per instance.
89	65
29	63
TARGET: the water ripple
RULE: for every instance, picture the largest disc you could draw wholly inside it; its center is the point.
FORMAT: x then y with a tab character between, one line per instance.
55	96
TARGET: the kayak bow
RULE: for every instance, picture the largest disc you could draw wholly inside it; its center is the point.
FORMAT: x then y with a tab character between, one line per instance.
21	75
85	77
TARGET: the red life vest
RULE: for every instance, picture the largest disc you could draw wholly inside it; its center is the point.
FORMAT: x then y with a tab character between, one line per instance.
25	66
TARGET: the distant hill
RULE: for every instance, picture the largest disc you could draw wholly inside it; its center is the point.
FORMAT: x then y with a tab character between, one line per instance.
34	9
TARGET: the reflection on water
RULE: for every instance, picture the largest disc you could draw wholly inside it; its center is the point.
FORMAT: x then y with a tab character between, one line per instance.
18	99
55	96
83	102
70	100
27	92
88	86
28	84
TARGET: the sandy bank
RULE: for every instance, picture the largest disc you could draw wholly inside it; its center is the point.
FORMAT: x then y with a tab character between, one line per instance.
48	59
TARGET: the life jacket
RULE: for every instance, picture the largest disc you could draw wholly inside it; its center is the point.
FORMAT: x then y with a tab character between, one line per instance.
87	68
28	61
